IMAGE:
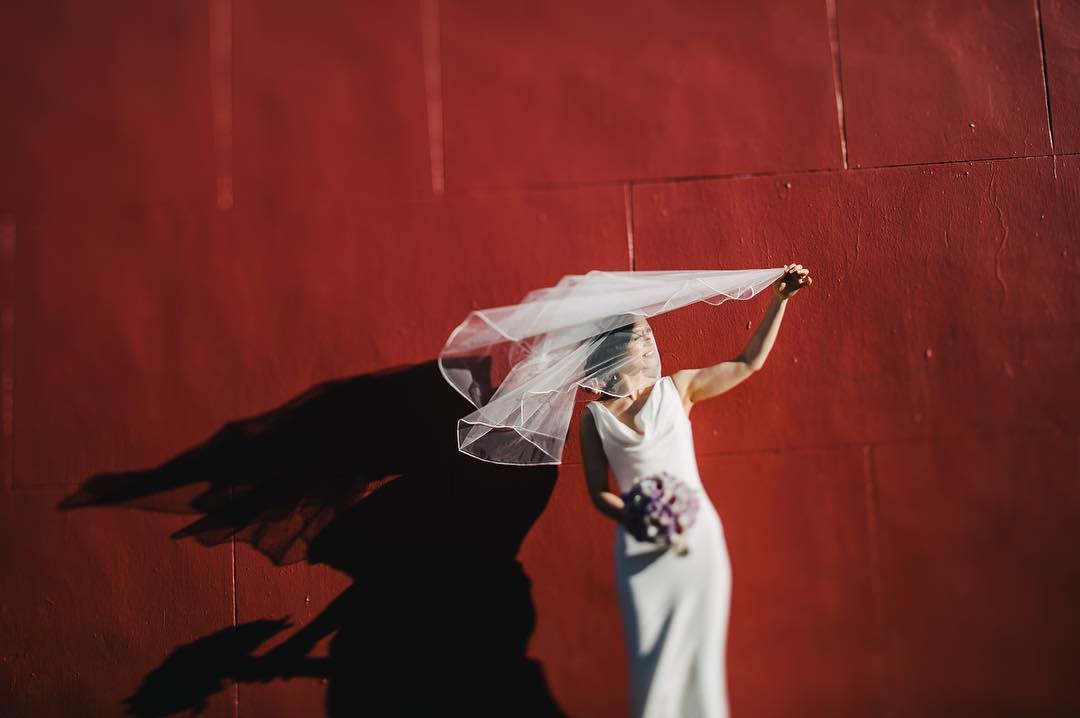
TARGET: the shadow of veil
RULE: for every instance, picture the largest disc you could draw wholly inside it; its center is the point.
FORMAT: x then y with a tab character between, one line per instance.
363	474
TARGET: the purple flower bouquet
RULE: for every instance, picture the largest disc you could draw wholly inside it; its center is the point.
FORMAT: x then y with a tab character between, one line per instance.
659	509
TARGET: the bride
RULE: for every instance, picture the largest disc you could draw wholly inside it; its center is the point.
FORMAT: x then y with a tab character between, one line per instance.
674	607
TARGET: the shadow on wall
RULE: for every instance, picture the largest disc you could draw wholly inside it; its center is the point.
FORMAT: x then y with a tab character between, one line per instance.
362	474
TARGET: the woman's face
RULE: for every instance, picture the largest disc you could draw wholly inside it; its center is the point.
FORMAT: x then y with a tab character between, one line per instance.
642	348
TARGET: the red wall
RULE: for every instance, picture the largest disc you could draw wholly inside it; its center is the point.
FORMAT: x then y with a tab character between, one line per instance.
208	208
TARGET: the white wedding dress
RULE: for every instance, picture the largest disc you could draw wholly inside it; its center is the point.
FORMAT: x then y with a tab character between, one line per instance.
674	608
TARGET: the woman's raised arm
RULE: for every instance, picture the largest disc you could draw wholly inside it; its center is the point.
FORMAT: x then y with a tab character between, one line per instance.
700	384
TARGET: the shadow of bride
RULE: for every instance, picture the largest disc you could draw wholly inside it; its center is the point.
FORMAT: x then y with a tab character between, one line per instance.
362	474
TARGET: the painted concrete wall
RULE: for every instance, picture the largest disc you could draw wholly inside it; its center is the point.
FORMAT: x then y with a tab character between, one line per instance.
209	209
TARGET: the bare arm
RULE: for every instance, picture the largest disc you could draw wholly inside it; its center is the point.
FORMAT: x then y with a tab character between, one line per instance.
596	469
761	342
700	384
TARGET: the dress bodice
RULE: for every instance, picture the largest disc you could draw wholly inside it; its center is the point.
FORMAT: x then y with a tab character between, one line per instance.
665	443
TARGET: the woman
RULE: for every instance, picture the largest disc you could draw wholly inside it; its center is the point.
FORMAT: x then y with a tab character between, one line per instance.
674	607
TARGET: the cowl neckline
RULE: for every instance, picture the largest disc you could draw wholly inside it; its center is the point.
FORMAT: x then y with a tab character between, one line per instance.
642	411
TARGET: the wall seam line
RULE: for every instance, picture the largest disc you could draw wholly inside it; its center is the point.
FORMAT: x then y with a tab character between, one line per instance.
236	684
7	343
1045	71
554	186
915	441
221	99
838	84
431	50
873	548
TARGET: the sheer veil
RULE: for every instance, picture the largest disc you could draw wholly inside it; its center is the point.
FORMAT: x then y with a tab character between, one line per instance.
520	365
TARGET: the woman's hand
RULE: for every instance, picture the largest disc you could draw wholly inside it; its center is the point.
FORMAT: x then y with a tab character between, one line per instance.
795	278
610	504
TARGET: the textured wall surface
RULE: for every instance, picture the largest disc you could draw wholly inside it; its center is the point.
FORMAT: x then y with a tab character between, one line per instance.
210	207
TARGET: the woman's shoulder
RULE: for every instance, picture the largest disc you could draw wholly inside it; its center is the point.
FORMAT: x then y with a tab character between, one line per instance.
587	411
588	423
680	380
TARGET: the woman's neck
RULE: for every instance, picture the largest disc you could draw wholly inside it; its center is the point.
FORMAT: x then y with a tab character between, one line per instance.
634	395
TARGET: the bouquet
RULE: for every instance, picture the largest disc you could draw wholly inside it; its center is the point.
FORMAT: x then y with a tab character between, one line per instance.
659	509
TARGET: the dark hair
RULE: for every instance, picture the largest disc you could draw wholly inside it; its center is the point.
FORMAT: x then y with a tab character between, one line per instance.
612	345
